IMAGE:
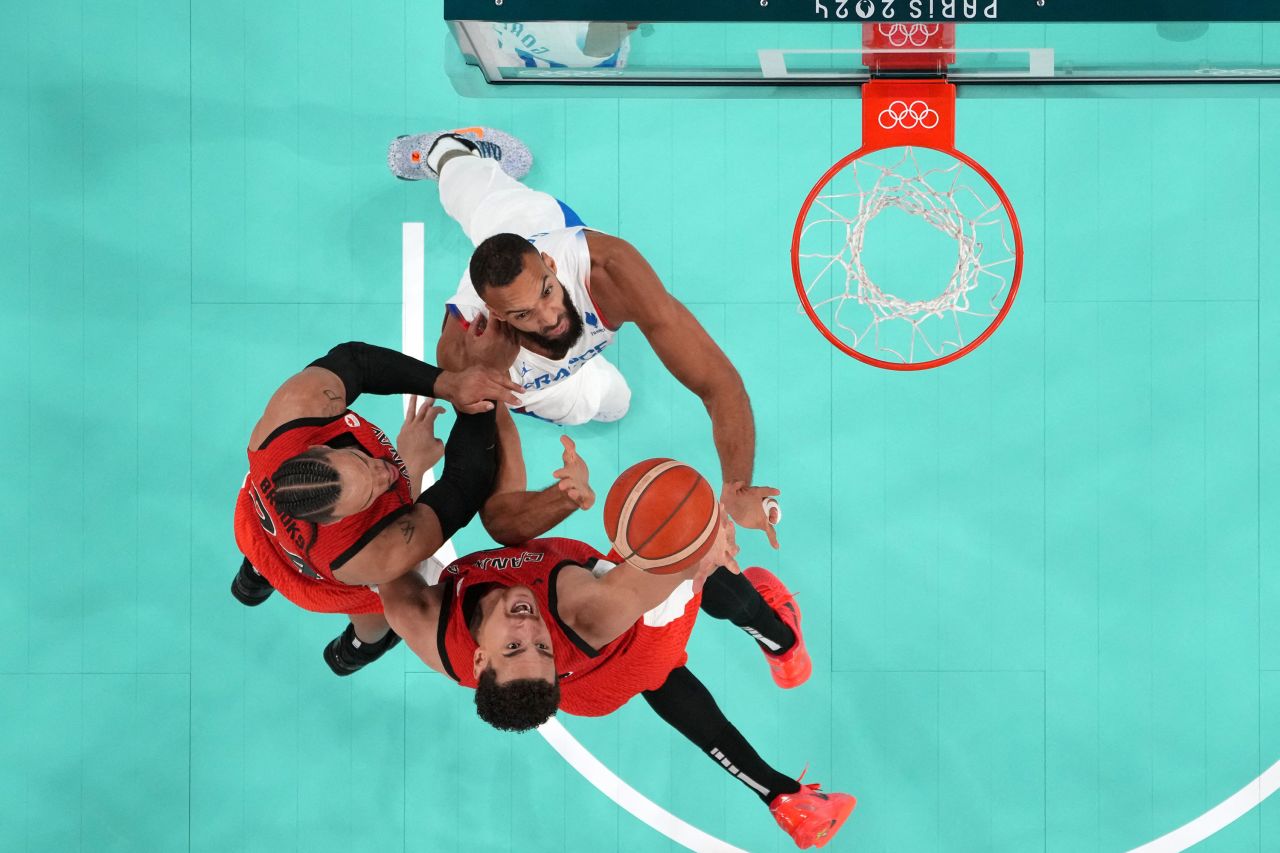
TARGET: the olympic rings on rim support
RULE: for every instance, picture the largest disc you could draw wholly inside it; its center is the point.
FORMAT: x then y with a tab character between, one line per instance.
908	116
909	35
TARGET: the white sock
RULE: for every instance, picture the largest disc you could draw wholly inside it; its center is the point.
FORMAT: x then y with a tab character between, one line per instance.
443	146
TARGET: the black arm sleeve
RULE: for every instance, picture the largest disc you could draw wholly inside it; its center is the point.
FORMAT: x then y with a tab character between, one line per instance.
378	370
470	466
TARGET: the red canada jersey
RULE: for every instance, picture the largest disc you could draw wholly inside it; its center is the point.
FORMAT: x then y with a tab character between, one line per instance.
279	545
593	682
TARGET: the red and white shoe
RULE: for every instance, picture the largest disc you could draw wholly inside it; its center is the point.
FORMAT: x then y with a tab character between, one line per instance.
794	666
811	817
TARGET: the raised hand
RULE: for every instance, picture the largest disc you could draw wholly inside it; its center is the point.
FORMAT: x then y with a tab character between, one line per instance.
476	388
746	504
491	342
417	442
573	476
723	553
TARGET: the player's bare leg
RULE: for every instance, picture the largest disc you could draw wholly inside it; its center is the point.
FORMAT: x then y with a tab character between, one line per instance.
367	638
370	627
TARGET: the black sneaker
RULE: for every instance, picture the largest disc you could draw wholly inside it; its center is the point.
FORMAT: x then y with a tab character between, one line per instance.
346	654
249	587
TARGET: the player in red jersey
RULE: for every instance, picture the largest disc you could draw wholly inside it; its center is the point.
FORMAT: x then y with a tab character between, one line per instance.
552	624
329	507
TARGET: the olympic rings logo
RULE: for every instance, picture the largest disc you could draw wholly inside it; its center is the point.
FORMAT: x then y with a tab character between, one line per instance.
916	114
915	35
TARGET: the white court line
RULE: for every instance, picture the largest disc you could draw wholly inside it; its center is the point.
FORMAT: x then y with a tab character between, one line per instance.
594	771
1218	817
412	286
412	323
413	270
413	280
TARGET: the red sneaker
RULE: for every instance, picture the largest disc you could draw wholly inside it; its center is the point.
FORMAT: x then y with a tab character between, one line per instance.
793	667
811	817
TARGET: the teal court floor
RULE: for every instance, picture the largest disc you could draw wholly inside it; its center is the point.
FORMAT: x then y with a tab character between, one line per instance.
1039	584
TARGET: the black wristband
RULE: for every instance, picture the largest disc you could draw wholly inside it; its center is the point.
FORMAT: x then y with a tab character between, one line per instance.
378	370
470	465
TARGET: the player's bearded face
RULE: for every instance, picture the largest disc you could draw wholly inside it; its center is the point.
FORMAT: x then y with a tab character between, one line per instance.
545	336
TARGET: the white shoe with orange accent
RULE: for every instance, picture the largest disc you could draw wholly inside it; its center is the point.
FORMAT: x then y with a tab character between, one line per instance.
407	156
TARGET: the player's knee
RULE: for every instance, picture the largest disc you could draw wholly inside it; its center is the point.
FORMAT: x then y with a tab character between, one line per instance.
718	600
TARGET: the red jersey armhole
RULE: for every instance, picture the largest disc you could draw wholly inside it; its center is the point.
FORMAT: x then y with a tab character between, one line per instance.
599	313
587	284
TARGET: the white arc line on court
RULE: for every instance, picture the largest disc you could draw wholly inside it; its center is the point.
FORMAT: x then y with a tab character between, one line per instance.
1224	813
608	783
605	780
413	281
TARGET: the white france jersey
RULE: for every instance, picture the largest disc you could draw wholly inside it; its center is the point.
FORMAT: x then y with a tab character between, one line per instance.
568	247
557	44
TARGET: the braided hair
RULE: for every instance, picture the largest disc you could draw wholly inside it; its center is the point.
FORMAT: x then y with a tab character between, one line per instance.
307	487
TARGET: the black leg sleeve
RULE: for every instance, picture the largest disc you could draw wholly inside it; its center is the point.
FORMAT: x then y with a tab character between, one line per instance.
686	704
732	597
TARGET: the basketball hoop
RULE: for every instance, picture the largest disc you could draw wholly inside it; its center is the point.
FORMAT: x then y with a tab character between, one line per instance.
908	162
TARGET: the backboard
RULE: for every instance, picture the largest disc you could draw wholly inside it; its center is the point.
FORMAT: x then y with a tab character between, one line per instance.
908	60
807	43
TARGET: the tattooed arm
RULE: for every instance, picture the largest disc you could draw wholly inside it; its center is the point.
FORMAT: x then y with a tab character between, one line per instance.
470	462
330	383
398	548
313	393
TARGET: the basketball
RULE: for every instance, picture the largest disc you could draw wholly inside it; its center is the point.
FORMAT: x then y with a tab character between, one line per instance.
661	516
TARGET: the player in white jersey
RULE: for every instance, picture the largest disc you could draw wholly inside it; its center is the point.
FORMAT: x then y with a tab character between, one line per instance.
541	282
566	378
557	44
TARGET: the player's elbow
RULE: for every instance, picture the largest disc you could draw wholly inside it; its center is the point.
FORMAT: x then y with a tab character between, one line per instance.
401	607
501	527
726	390
509	537
395	604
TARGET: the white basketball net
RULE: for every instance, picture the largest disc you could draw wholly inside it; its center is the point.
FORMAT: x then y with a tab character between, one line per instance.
952	198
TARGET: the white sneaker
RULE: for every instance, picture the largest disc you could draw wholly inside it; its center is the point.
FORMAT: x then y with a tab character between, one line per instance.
407	155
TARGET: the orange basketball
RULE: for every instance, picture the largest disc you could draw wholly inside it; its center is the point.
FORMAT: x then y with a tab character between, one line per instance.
661	516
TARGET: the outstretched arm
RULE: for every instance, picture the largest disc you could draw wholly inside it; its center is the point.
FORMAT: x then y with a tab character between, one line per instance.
513	514
413	610
600	610
332	382
633	292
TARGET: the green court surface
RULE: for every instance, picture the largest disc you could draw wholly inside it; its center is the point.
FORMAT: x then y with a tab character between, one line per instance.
1039	584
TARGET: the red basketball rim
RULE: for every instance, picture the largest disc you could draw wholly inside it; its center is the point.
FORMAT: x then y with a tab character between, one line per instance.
863	357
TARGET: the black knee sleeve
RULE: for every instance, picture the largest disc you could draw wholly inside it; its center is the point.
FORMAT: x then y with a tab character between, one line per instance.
686	704
732	597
